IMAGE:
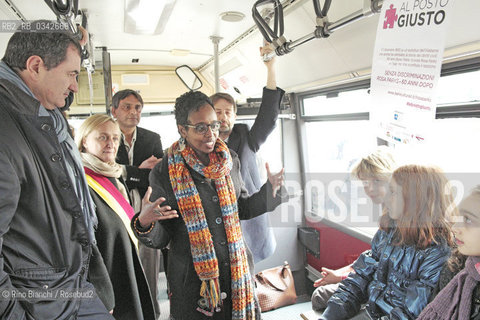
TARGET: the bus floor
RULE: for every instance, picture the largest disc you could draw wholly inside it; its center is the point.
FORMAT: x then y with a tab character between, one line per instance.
303	287
162	297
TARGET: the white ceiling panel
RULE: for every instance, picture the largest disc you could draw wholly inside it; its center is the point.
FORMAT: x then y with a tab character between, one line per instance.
189	27
192	22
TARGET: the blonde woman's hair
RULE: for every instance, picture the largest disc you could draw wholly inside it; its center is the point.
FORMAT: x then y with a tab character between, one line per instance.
90	124
379	163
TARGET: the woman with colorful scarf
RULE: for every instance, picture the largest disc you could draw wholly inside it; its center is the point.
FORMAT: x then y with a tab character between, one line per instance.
209	268
115	269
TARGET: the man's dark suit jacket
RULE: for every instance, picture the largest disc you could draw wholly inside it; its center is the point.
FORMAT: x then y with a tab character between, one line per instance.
147	144
246	142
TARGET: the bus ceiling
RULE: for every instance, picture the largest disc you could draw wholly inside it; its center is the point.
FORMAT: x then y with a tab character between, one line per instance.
323	28
345	55
67	11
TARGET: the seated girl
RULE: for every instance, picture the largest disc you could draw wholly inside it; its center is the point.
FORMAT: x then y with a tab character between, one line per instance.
460	298
397	277
374	170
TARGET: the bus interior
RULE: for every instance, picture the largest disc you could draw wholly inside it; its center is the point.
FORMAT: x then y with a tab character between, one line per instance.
324	56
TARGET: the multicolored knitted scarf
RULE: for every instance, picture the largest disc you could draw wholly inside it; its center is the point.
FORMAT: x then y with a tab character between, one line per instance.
201	243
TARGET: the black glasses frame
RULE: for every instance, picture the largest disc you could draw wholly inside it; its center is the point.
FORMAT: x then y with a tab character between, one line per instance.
202	128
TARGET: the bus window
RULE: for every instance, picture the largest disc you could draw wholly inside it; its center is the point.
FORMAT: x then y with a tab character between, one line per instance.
338	103
337	133
449	144
332	149
164	125
333	146
458	88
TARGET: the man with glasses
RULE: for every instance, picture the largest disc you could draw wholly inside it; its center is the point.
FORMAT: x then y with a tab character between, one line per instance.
246	142
139	151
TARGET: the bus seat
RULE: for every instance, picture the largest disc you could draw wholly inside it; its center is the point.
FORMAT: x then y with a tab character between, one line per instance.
337	248
310	239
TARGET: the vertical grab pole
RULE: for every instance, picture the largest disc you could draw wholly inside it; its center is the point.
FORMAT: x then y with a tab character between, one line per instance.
216	41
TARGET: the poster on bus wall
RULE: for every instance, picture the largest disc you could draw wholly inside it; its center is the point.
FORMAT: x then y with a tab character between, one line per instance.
406	67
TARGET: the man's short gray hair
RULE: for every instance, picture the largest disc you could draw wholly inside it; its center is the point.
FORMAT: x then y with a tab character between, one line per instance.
50	46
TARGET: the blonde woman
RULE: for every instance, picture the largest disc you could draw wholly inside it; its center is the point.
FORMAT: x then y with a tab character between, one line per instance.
97	140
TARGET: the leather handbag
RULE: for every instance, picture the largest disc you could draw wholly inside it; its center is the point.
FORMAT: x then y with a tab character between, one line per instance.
275	288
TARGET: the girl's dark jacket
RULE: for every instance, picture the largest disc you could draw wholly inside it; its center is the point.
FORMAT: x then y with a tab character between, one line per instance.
395	281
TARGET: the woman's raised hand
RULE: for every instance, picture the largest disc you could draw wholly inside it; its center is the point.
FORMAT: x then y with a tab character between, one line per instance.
275	179
151	211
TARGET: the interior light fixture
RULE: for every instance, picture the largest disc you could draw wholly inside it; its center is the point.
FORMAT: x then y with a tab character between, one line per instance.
147	16
232	16
179	52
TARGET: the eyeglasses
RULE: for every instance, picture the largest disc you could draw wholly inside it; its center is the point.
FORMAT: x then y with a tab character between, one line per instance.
202	128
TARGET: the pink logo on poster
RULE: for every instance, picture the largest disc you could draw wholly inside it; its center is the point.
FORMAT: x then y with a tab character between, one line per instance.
390	17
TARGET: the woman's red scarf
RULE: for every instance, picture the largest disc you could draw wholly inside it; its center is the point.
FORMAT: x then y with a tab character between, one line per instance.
113	191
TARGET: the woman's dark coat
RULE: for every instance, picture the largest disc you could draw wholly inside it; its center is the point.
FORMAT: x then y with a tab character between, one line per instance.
183	280
131	296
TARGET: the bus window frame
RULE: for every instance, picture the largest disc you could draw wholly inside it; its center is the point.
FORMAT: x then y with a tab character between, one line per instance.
458	110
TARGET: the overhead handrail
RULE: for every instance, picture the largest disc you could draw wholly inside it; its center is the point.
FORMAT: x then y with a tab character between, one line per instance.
275	36
269	34
66	12
323	28
322	18
321	13
87	53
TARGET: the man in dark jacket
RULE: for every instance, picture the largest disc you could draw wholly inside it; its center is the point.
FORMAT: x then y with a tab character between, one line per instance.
246	142
46	213
139	151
